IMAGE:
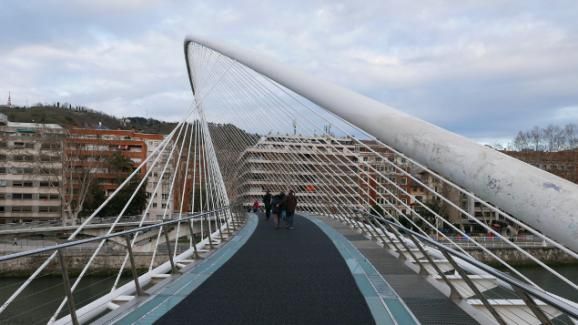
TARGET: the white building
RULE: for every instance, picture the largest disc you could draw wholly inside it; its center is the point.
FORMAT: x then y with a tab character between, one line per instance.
30	171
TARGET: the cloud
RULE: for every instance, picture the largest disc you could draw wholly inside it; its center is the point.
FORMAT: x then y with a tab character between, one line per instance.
484	69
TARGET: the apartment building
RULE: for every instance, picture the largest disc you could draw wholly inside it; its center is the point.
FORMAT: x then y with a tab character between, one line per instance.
88	149
561	163
30	171
324	170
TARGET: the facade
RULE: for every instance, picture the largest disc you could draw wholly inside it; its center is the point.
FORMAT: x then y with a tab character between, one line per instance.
86	150
30	171
561	163
325	172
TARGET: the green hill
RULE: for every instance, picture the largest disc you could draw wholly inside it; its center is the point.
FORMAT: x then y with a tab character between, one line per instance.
69	116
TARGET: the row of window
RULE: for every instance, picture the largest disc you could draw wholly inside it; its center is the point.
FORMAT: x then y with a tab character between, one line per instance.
29	209
30	158
29	196
29	171
5	183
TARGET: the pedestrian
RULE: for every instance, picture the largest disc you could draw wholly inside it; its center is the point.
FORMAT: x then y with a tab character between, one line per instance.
290	206
276	210
282	206
256	206
267	204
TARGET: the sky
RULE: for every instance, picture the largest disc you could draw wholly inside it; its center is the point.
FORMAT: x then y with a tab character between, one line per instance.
483	69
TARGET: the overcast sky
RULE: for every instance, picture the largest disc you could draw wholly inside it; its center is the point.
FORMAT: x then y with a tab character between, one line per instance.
484	69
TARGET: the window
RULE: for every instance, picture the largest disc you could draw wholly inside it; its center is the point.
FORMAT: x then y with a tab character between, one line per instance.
2	157
2	196
21	196
48	184
154	205
22	171
44	196
2	170
49	158
48	209
21	184
23	158
50	146
3	183
21	209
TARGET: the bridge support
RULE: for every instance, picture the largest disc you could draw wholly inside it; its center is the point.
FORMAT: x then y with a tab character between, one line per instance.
543	200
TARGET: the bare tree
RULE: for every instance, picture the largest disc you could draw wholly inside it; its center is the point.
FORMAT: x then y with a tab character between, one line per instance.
79	166
521	141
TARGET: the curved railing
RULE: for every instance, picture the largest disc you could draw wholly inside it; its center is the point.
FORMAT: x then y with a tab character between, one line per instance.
224	224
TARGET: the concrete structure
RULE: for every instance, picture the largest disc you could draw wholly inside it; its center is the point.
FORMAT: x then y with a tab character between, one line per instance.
30	171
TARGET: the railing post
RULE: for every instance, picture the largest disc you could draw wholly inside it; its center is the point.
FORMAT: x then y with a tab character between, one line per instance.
532	305
66	280
224	212
475	289
232	218
209	236
193	238
454	293
139	291
170	252
218	224
396	234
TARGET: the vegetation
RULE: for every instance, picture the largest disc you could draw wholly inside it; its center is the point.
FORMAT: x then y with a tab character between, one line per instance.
550	138
69	116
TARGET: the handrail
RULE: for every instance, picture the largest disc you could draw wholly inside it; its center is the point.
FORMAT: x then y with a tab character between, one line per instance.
112	235
535	292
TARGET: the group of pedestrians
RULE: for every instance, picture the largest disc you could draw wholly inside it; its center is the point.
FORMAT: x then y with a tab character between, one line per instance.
281	206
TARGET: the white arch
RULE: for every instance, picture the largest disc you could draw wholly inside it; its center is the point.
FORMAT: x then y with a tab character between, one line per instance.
542	200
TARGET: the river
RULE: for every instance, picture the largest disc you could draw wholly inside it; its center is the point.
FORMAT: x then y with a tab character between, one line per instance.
38	302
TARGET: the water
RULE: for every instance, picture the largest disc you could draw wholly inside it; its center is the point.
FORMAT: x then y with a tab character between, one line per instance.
37	303
550	282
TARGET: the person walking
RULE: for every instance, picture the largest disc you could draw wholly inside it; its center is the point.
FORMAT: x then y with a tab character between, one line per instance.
276	210
256	206
267	204
282	207
290	206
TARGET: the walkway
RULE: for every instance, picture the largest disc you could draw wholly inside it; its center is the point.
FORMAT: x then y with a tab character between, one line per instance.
278	276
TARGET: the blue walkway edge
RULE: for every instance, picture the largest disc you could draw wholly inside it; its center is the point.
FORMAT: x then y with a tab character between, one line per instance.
173	293
385	305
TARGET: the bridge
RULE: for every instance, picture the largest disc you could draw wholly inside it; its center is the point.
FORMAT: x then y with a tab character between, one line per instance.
382	198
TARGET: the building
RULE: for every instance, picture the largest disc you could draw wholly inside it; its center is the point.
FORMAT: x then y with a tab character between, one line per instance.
325	172
30	171
86	151
561	163
303	164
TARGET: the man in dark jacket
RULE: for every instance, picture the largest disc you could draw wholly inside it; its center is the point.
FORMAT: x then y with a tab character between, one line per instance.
267	203
290	206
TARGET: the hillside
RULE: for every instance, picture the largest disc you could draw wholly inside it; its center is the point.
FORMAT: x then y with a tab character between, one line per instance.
81	117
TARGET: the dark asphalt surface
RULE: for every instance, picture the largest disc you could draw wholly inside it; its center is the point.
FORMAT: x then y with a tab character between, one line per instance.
278	277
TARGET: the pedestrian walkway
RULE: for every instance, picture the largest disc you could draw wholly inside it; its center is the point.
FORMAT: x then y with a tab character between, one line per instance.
279	276
309	275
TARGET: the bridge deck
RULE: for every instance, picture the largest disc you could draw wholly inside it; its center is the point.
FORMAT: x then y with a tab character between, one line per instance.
312	274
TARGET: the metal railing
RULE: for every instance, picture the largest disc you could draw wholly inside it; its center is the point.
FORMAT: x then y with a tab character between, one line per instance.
407	242
231	222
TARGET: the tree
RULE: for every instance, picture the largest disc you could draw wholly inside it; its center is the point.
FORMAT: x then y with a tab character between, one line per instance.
121	167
